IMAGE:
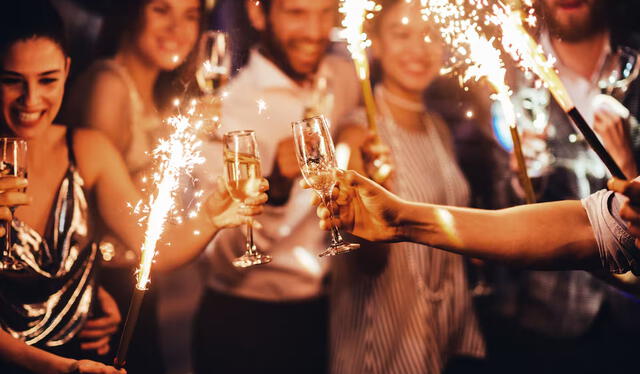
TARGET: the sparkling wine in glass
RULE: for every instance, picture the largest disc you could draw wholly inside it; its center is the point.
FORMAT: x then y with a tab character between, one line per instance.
317	160
214	62
212	73
13	163
242	178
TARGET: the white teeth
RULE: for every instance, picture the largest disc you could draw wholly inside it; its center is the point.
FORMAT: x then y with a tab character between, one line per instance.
29	117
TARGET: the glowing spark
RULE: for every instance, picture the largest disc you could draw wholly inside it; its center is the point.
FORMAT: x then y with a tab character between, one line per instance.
176	155
525	51
262	106
355	12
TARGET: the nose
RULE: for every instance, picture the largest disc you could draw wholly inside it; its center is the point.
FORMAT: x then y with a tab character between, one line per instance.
314	28
30	95
173	22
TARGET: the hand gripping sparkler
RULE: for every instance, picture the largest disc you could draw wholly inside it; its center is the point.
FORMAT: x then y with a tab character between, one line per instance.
524	49
355	12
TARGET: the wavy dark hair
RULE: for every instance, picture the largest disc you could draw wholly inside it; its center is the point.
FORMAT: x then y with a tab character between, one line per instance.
122	20
27	19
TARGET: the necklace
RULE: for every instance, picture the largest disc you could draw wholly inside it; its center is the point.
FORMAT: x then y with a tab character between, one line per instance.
406	104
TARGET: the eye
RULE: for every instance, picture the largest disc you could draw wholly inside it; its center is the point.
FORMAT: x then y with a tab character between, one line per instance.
193	16
160	9
10	81
47	81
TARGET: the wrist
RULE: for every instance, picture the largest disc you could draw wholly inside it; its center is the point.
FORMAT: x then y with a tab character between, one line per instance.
404	225
67	366
419	223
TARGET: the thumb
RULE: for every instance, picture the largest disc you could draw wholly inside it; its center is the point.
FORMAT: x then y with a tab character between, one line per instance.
630	189
355	180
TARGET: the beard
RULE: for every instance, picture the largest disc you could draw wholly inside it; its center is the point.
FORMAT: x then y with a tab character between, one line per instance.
575	29
276	51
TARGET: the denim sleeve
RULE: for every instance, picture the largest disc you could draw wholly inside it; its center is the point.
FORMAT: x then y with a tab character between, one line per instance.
616	246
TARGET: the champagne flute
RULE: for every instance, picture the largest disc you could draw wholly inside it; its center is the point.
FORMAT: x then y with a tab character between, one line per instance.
212	73
14	163
619	70
317	160
242	177
214	62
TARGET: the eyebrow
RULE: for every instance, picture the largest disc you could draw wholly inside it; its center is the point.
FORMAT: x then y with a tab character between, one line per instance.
48	72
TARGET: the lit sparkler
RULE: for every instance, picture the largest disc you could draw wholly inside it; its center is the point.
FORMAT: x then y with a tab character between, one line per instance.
523	48
459	28
486	62
176	155
355	12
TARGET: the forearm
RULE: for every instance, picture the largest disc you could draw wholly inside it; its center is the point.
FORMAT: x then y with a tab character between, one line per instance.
30	358
182	243
546	236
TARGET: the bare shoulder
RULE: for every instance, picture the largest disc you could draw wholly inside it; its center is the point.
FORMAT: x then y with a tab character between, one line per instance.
107	83
93	151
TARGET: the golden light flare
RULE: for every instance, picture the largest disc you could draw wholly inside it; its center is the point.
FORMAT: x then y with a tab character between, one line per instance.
175	157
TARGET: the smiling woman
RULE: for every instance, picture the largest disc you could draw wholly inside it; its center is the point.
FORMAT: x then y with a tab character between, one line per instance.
146	47
53	315
382	287
32	85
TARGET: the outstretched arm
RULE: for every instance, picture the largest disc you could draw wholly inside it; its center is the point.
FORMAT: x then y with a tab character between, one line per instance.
179	244
547	236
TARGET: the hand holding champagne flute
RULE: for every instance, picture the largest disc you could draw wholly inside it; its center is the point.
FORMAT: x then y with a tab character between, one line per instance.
243	178
317	160
13	163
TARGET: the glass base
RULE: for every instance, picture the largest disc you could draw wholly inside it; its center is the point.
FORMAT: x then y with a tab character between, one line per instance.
11	264
251	259
339	249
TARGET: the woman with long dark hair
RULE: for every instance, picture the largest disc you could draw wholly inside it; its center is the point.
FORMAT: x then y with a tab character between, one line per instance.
76	181
144	60
401	308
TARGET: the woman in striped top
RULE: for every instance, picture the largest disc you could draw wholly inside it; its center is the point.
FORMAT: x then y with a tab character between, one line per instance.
401	308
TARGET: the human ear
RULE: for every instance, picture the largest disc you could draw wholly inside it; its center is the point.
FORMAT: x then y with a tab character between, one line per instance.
256	14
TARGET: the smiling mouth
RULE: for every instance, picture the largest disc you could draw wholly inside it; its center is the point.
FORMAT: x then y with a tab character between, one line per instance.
28	117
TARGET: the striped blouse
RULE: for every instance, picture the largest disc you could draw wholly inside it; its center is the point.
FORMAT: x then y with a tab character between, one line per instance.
417	312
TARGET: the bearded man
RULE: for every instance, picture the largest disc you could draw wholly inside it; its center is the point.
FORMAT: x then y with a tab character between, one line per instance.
570	321
273	318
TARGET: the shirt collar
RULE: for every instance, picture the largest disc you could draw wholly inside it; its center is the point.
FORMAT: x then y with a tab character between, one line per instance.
547	46
268	75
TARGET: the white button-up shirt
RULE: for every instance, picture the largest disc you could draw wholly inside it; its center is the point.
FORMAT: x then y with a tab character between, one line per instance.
581	90
262	98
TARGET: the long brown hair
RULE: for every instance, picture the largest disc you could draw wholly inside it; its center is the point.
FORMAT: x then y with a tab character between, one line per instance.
123	19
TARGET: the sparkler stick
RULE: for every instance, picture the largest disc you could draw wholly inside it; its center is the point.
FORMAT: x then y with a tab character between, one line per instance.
524	49
177	155
355	12
486	62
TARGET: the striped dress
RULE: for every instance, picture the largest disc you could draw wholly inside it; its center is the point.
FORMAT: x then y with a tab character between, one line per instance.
417	312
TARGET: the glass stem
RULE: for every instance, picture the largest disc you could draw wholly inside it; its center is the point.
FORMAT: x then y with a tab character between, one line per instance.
6	255
250	245
336	238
